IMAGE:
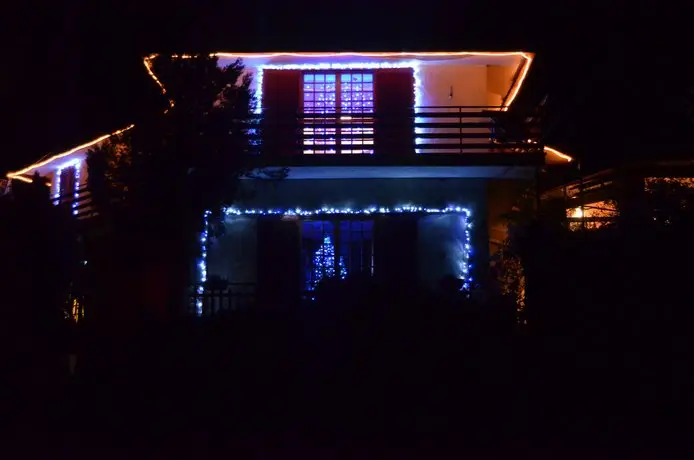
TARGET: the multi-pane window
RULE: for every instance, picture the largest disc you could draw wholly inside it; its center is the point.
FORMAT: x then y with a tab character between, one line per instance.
342	103
336	249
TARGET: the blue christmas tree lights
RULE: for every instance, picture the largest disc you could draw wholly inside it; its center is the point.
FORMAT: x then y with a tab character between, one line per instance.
324	263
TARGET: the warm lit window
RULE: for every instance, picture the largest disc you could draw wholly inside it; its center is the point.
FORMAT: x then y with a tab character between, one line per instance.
592	216
342	103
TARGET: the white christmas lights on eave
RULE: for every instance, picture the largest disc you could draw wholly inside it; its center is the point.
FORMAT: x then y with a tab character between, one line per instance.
30	169
555	152
526	61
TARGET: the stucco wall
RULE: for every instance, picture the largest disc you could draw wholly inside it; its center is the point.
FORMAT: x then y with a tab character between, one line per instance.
440	243
233	255
499	79
489	200
453	85
479	81
317	193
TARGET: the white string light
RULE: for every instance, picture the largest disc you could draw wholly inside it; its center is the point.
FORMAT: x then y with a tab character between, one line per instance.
463	264
414	65
76	163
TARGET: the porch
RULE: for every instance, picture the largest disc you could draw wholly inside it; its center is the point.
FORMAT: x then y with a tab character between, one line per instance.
283	259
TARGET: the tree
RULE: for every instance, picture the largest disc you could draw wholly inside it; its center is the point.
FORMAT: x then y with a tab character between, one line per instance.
324	262
36	239
172	167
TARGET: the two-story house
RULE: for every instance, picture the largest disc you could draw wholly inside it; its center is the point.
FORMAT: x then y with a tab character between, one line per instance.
400	166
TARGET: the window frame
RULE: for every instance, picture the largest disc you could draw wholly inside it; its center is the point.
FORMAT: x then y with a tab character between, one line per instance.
336	117
363	266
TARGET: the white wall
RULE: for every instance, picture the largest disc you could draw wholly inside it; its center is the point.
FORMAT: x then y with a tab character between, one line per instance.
443	84
233	255
476	80
499	80
452	88
441	248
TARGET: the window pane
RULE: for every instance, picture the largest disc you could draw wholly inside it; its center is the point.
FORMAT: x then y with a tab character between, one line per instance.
324	96
336	249
356	98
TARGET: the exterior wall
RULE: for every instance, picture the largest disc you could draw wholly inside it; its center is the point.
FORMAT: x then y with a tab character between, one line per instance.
447	87
453	85
440	86
362	193
480	81
440	244
440	240
233	255
499	80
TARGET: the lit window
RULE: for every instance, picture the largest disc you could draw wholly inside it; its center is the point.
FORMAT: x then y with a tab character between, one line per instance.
344	103
336	249
593	215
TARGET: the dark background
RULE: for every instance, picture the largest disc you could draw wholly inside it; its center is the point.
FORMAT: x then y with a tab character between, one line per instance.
615	70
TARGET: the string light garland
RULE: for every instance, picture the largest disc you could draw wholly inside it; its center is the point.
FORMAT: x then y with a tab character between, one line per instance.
39	164
463	253
58	172
299	212
202	263
556	152
411	64
414	65
78	167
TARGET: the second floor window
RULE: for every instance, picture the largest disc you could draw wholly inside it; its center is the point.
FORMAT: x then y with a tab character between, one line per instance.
336	249
338	108
366	111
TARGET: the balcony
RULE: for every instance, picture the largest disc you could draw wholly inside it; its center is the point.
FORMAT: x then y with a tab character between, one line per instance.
420	136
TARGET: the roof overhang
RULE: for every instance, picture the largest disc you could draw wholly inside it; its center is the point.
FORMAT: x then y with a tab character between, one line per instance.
402	172
519	60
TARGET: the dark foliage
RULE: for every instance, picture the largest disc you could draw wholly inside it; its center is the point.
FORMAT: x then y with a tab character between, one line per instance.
37	243
607	314
152	184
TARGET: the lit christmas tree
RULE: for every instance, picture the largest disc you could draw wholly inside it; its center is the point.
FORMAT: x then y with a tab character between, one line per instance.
324	262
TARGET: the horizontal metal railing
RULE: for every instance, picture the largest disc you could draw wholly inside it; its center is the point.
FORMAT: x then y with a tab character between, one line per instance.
232	297
426	130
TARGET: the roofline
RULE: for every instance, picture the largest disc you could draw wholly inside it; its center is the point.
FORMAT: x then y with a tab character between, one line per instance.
556	152
508	100
147	61
28	169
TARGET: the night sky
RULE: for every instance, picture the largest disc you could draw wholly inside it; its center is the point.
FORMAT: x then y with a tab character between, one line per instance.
614	71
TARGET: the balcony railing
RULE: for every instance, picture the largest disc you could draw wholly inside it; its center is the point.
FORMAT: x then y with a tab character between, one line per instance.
421	130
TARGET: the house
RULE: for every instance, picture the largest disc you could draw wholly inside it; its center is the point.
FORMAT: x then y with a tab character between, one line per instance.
398	166
593	200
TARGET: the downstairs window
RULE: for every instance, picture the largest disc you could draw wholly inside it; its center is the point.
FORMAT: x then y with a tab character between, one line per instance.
336	249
